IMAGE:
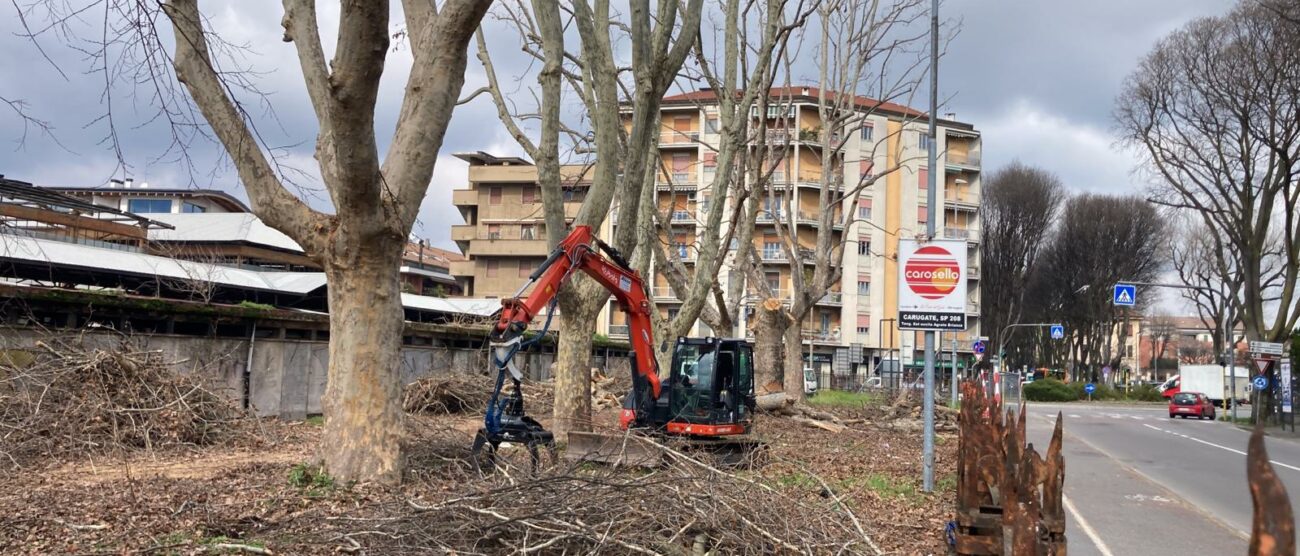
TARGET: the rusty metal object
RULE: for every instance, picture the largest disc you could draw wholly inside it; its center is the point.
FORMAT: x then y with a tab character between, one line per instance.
1272	532
1008	496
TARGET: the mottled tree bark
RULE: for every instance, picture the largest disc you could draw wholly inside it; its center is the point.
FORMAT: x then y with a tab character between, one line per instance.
572	410
793	378
770	322
362	403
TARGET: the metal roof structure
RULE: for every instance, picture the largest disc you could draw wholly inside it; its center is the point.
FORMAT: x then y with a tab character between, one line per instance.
226	199
25	194
222	227
40	259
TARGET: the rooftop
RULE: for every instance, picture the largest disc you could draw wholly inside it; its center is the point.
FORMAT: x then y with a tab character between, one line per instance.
812	95
226	200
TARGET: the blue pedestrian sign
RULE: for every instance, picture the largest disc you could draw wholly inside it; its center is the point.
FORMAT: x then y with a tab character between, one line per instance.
1090	388
1125	295
1260	382
978	346
1058	332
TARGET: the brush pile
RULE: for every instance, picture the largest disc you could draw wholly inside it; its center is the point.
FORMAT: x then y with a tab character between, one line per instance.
447	394
683	507
74	400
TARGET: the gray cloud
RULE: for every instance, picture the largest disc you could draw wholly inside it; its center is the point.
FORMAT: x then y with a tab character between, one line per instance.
1038	77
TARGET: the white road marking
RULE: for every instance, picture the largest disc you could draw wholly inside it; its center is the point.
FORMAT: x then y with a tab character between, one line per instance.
1233	450
1074	415
1087	529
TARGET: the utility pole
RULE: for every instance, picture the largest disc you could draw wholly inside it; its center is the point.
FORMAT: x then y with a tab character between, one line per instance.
953	401
927	444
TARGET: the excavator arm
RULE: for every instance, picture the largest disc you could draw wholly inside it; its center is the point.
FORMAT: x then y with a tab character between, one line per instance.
579	251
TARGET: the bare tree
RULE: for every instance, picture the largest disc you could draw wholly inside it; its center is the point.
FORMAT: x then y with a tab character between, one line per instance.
1020	204
1163	333
660	39
1099	241
867	55
1216	111
375	197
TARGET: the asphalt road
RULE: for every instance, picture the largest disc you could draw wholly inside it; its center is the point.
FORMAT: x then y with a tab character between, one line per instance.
1138	482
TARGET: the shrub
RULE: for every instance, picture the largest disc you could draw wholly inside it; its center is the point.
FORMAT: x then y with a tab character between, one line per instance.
1145	393
1049	390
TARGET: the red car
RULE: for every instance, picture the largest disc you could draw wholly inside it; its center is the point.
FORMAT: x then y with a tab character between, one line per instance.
1187	404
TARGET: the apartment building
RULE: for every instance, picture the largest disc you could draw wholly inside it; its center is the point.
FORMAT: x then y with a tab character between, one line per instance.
503	238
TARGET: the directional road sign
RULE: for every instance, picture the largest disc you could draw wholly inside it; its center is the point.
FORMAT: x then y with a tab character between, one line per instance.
1090	388
1266	348
1125	295
1058	332
979	346
1260	382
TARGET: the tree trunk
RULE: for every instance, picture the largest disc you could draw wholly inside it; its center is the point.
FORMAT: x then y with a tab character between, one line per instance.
572	410
794	364
363	402
769	326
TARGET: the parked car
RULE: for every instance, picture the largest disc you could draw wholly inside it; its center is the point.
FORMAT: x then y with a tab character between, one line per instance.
1187	404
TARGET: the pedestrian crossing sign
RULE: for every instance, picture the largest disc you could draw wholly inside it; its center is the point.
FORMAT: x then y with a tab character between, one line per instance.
1125	295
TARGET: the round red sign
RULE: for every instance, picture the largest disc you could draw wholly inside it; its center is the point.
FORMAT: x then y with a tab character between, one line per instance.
932	272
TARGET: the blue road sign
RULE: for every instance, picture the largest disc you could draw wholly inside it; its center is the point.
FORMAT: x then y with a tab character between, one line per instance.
1090	388
1260	382
1058	332
978	346
1125	295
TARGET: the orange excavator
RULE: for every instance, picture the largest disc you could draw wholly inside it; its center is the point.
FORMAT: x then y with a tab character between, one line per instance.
708	397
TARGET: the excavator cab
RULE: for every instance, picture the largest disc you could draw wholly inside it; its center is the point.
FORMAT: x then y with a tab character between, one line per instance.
710	388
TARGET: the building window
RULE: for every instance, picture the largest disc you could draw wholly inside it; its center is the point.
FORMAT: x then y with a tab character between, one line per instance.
528	231
864	248
771	250
490	268
864	170
864	330
773	280
924	184
494	195
864	288
494	231
924	142
711	125
864	212
922	215
189	207
672	313
524	268
530	194
146	206
681	167
867	132
826	322
574	195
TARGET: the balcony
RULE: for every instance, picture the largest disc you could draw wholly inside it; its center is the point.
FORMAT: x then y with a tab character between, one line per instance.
972	236
464	232
961	202
833	298
618	330
683	218
963	161
768	217
677	139
684	251
813	220
515	247
820	335
772	255
464	197
664	294
778	136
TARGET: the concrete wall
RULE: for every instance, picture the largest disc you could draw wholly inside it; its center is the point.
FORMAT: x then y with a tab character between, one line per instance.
287	377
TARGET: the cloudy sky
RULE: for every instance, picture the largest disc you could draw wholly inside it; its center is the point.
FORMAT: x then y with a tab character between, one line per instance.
1037	77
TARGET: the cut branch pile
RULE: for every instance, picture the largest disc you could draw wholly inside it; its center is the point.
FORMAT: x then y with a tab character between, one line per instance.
684	507
73	400
446	394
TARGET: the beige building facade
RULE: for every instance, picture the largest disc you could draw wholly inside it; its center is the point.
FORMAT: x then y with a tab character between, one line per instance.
504	239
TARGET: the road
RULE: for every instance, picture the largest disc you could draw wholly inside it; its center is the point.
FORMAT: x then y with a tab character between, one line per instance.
1138	482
